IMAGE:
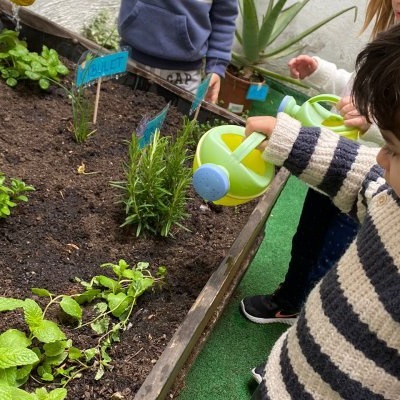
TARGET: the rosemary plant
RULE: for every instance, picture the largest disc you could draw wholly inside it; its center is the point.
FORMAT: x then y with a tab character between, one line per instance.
157	180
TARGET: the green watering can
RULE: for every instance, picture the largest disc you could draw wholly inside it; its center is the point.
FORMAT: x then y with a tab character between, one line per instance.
228	168
312	113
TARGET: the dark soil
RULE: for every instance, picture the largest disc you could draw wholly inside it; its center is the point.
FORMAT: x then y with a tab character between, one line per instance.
71	225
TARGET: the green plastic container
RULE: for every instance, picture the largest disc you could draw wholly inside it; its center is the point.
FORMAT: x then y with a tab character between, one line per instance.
313	113
228	168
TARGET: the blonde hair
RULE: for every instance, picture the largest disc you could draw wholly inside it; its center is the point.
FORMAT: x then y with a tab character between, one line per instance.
382	11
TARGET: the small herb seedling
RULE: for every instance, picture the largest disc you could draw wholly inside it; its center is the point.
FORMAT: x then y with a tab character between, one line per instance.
11	195
18	63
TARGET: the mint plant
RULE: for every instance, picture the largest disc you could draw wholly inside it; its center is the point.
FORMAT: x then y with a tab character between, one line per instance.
157	180
18	63
43	346
11	195
116	298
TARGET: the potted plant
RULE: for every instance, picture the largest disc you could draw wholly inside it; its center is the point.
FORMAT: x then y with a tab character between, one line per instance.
258	42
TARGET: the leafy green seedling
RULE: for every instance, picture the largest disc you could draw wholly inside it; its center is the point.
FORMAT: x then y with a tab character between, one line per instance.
43	346
18	63
11	195
116	297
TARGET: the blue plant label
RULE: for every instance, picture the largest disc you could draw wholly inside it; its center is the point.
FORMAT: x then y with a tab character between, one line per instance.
147	127
257	92
98	67
200	93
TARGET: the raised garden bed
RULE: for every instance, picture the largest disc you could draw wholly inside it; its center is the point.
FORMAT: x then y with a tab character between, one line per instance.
71	224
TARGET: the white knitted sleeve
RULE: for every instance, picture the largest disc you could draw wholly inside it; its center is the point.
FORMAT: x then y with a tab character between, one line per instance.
328	78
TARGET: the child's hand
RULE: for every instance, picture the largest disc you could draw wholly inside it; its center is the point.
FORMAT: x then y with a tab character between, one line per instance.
351	115
302	66
213	88
264	125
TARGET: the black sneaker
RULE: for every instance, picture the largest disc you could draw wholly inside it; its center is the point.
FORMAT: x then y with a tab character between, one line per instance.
257	373
263	310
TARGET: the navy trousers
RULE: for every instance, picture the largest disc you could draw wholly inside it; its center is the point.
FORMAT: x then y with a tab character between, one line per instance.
323	235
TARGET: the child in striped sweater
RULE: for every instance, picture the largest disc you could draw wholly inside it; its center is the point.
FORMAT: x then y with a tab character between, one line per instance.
346	341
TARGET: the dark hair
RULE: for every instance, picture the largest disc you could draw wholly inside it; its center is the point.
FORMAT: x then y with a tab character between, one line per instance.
376	87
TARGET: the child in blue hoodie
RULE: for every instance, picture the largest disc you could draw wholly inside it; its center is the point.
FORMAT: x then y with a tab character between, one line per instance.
178	39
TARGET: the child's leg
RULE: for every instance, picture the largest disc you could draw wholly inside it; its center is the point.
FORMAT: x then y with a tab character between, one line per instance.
317	215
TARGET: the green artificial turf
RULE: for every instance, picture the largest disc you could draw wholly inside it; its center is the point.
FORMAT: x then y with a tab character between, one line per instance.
236	345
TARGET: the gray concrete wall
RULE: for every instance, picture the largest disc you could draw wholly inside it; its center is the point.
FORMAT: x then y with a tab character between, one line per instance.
338	41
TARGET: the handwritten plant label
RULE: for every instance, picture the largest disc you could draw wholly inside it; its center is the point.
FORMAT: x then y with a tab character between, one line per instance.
200	94
257	92
147	127
94	68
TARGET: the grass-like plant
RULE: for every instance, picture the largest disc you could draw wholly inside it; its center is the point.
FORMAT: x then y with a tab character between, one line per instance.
11	195
18	63
157	180
82	110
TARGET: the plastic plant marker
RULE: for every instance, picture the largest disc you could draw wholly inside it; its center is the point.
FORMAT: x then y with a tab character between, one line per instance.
100	67
257	92
147	127
200	94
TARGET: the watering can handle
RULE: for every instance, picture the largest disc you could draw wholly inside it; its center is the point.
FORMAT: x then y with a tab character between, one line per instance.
248	145
331	98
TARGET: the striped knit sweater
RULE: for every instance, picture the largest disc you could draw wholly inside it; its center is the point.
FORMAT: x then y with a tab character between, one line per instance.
346	342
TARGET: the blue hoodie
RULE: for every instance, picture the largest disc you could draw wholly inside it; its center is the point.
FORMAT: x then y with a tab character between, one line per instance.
179	34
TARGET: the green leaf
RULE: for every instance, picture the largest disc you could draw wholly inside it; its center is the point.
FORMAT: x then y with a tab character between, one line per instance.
74	353
11	357
100	326
71	307
90	353
33	75
14	338
33	313
44	83
56	360
8	376
138	287
88	296
101	307
250	30
41	393
47	377
307	32
13	393
47	332
119	303
23	374
107	282
41	292
54	348
99	373
62	69
57	394
9	304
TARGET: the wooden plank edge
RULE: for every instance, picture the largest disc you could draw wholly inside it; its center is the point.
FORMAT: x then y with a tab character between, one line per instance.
161	378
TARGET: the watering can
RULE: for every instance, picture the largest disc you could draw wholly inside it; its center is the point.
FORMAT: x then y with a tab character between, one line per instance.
312	113
228	168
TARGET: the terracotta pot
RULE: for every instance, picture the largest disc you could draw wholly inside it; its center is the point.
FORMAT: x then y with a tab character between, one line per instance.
233	92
